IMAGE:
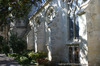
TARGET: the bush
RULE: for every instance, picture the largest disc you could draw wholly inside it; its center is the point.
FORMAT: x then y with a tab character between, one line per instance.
33	55
1	38
24	60
4	48
17	44
42	54
43	61
13	55
34	62
30	57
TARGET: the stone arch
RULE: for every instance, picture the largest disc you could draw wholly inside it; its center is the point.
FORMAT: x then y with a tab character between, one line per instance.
49	14
37	20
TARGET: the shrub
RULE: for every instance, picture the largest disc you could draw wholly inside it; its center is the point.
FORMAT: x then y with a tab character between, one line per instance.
42	54
1	38
43	60
17	44
34	62
30	57
5	49
24	60
33	55
13	54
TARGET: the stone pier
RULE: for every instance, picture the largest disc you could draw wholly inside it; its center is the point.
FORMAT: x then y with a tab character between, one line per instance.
93	32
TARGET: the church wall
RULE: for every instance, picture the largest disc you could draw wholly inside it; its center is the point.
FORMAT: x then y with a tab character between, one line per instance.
41	37
19	31
59	31
93	29
30	40
18	26
58	38
83	40
59	34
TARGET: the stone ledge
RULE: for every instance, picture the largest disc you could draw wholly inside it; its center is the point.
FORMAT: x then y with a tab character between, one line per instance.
72	44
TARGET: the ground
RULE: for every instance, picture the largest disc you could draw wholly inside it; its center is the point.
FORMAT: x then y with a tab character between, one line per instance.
7	61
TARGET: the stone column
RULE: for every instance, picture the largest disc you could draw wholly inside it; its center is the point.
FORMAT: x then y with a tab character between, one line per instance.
35	36
48	40
49	45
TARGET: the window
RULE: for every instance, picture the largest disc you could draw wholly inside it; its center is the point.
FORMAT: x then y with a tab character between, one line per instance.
50	14
73	53
73	19
37	19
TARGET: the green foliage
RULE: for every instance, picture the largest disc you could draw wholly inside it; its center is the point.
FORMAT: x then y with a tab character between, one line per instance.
33	55
34	62
18	45
40	57
4	48
13	54
18	8
42	54
24	60
30	57
1	38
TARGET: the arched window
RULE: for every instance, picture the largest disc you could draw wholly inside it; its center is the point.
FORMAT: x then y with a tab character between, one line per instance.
50	14
73	19
37	20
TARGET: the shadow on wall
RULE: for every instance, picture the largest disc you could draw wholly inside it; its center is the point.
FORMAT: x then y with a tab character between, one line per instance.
83	51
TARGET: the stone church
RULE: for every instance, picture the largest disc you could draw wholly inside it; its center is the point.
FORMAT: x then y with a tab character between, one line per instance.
63	35
68	30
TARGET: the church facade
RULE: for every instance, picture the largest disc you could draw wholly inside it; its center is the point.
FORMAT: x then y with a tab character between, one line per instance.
68	30
61	32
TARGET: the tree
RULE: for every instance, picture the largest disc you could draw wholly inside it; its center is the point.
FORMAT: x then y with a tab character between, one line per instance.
10	9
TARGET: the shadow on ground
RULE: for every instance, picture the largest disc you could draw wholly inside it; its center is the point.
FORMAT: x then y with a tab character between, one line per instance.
7	61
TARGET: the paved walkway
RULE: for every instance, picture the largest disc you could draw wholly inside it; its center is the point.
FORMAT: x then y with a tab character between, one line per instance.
7	61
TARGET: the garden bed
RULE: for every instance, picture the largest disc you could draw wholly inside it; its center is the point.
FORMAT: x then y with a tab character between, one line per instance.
30	58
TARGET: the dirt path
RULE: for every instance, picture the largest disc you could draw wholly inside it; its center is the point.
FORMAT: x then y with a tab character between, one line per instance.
7	61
